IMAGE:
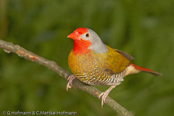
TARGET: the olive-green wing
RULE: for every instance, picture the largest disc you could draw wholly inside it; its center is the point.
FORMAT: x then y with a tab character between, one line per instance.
116	62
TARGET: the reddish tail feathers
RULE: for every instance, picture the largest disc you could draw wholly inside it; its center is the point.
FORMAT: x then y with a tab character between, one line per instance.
145	70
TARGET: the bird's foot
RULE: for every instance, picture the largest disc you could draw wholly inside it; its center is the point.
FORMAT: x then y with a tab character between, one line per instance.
70	80
103	95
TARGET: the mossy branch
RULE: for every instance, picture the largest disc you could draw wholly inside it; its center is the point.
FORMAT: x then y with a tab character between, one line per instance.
10	47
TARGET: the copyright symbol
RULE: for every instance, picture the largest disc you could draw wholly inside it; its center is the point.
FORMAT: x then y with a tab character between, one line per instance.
4	112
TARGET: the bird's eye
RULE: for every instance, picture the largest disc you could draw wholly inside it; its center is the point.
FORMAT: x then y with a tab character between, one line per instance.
87	35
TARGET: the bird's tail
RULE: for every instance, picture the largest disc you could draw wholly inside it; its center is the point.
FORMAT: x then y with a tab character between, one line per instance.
132	68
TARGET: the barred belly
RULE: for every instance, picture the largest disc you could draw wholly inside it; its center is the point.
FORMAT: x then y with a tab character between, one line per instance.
98	77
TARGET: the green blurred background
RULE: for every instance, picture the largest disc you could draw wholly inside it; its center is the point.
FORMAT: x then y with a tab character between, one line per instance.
142	28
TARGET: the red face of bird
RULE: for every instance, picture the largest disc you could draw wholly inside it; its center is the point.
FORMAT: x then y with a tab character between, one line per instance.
87	39
77	34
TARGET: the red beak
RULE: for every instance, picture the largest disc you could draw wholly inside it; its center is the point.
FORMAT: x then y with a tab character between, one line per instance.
74	35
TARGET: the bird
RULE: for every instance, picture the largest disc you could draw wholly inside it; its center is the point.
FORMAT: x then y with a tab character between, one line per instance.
95	63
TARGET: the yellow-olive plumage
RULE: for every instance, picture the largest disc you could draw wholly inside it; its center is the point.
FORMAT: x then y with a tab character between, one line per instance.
95	68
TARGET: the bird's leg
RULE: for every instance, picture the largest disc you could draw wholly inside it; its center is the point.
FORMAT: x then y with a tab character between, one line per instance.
70	79
103	95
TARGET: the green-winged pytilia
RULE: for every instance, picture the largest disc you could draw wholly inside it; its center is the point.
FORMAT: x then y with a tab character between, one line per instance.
94	63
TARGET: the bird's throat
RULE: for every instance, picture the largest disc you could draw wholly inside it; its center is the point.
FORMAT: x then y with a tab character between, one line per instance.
80	47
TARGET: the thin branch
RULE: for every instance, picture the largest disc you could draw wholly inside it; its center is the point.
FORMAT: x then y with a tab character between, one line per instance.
10	47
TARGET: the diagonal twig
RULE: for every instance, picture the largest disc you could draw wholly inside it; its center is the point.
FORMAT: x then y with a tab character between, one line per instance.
10	47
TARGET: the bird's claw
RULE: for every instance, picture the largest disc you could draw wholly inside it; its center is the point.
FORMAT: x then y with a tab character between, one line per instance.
70	80
103	96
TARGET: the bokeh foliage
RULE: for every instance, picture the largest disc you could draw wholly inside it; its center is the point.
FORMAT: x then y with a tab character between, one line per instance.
142	28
